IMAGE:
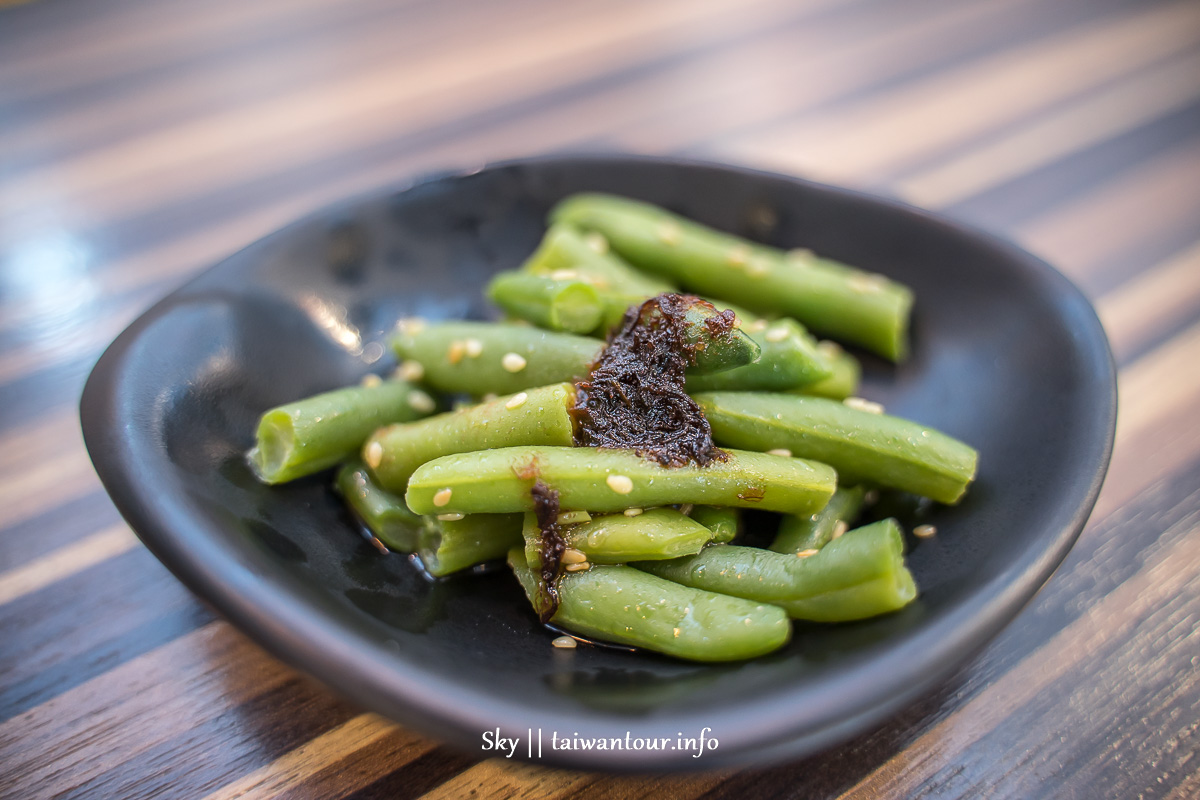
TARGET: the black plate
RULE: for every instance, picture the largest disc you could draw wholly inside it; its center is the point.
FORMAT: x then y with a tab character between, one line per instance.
1009	357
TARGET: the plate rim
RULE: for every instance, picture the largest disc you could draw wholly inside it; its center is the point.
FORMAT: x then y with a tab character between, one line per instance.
315	644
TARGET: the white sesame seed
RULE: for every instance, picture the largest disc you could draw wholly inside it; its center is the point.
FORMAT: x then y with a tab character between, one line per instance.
564	643
371	380
580	567
676	632
839	528
924	531
621	484
861	404
410	371
442	497
410	326
634	512
807	553
668	233
757	267
451	517
780	451
596	241
573	556
513	362
564	275
473	348
864	282
456	352
801	256
517	400
829	349
776	334
738	256
489	397
373	454
421	401
757	326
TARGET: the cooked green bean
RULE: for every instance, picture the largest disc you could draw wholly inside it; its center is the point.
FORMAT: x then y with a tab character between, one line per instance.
800	533
449	545
382	512
600	480
844	374
538	416
316	433
624	605
567	250
569	305
856	576
789	359
617	538
724	522
482	357
829	297
863	447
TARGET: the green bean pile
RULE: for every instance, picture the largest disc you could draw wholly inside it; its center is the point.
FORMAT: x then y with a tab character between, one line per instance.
645	551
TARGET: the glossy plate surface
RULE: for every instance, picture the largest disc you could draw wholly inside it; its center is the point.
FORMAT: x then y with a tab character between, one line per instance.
1008	356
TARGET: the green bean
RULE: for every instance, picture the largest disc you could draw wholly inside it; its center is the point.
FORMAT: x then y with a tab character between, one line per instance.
482	357
829	297
316	433
599	480
538	416
863	447
856	576
713	350
789	359
624	605
800	533
446	546
567	250
617	538
382	512
843	380
724	522
569	305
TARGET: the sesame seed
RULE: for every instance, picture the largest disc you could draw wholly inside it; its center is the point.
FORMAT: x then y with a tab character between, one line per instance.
456	352
373	454
801	256
596	241
371	380
573	556
454	516
757	268
489	397
924	531
410	371
777	334
668	233
620	484
807	553
634	512
780	451
410	326
564	275
421	401
864	282
517	400
473	347
564	643
580	567
513	362
738	256
686	509
757	326
839	528
829	349
442	497
676	632
861	404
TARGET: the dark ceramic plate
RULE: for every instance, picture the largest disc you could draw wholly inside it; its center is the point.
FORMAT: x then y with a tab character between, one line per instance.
1008	356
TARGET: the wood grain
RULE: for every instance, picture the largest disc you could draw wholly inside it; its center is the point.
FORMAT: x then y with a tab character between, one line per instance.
143	140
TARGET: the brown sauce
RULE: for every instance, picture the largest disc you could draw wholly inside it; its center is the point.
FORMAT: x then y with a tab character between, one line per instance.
634	396
545	508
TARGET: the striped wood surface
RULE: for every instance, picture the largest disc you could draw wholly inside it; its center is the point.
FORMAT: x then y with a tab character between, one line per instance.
141	140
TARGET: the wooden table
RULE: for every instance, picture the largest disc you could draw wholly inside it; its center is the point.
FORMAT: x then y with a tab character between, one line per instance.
140	141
